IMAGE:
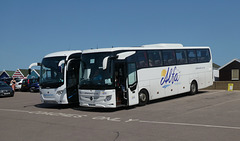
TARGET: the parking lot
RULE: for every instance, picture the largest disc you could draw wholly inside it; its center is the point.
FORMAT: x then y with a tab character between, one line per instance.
210	115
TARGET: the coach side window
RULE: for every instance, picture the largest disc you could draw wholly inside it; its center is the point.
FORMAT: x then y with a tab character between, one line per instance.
203	55
169	57
142	59
181	56
154	58
192	57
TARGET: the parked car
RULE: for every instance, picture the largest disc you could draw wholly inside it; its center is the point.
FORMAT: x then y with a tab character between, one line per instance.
26	84
5	90
34	87
18	85
6	80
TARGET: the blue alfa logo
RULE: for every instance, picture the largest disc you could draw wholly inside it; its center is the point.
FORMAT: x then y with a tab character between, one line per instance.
169	77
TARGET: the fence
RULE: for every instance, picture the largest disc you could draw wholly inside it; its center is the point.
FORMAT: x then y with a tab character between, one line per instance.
223	85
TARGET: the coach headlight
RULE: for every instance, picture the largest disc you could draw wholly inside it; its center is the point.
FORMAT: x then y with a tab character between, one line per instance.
60	92
108	98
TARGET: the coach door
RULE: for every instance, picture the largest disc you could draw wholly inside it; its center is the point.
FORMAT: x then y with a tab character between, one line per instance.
72	80
120	83
126	83
132	84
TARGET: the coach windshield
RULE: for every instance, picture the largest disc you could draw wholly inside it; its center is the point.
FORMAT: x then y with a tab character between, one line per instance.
92	74
51	75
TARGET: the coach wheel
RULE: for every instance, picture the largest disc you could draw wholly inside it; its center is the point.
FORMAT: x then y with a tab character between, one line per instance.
143	98
193	88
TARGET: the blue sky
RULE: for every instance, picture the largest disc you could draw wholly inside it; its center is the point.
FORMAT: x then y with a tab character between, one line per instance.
30	29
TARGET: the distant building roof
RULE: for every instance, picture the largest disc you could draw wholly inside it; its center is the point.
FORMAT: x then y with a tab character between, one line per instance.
10	73
24	72
229	63
20	73
216	66
38	71
6	74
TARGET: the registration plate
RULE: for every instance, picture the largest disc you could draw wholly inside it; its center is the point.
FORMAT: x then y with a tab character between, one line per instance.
48	95
6	93
92	104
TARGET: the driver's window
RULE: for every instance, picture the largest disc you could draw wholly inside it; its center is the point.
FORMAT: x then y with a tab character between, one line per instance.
132	75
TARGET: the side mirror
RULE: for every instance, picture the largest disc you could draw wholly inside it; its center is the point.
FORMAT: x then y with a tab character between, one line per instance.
105	61
62	62
29	71
32	65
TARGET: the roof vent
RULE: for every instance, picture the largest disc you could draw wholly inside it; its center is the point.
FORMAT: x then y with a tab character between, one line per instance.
163	45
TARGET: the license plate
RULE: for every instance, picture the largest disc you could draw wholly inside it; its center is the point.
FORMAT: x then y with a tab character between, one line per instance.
6	93
48	95
92	104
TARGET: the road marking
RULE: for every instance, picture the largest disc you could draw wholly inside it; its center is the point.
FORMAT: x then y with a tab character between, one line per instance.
119	119
46	113
106	118
189	124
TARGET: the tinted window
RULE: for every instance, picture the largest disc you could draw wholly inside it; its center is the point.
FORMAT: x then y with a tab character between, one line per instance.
77	55
181	56
132	58
2	84
154	58
132	75
203	55
192	57
142	59
50	76
91	72
169	57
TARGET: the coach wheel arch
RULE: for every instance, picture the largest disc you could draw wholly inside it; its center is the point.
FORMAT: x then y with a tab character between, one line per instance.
193	87
143	97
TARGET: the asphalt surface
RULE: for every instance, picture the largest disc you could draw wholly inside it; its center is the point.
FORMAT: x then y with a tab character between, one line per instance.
207	116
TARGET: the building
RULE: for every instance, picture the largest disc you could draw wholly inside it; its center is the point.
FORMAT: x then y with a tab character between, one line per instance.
34	74
230	71
216	71
6	74
20	73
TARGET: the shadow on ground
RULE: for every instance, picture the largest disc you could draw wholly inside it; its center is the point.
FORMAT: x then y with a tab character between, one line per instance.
105	110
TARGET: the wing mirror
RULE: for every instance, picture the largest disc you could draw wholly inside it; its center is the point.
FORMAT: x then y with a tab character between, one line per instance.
33	65
61	65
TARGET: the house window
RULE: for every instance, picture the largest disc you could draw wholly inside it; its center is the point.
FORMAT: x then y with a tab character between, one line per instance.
235	74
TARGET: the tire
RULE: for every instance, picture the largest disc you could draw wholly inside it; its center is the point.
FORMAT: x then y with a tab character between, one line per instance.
31	90
12	95
193	88
143	97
